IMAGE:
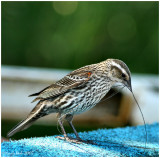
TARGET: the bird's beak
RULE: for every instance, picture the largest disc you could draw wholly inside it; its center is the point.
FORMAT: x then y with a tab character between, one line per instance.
128	85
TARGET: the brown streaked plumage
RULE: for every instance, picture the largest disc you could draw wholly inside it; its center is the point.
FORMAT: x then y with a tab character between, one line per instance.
76	93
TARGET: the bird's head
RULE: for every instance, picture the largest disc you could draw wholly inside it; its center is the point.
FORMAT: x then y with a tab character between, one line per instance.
119	73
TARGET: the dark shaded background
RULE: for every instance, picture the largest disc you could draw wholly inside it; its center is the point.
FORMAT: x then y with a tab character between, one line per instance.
73	34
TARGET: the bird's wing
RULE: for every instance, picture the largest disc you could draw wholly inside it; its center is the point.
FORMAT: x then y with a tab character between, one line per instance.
72	80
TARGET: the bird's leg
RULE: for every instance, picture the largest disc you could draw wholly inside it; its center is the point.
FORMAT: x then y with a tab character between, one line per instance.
65	134
69	118
78	140
62	128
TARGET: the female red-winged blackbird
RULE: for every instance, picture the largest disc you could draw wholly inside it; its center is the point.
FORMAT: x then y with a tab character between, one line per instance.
76	93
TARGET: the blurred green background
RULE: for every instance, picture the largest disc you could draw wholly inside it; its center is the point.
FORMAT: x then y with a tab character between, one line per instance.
73	34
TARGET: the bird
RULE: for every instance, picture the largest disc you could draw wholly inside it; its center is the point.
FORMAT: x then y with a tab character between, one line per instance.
77	92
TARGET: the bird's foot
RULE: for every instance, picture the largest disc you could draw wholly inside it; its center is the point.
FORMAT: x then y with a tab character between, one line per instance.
69	139
86	141
76	140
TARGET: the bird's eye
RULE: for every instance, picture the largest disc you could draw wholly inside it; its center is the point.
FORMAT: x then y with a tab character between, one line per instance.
123	75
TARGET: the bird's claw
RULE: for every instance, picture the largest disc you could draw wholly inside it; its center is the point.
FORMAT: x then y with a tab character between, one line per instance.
77	141
72	140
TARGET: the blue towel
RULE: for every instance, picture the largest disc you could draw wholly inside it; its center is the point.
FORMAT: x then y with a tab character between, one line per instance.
121	142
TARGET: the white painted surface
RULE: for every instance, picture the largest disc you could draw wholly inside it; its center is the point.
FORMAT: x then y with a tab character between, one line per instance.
146	90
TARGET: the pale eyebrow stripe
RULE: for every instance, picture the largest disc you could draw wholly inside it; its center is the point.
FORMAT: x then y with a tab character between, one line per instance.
118	66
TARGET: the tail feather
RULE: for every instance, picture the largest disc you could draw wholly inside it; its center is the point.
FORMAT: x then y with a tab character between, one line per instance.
24	124
35	114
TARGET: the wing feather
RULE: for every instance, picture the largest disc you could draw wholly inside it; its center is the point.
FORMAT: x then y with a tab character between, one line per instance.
72	80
